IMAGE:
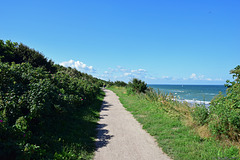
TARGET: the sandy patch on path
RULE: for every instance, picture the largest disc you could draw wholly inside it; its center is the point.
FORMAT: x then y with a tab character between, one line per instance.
121	137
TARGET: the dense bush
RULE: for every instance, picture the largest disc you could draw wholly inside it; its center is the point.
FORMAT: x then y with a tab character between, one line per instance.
137	86
33	94
225	110
200	114
120	83
19	53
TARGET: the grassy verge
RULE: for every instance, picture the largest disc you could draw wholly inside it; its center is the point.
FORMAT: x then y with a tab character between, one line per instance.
73	135
177	139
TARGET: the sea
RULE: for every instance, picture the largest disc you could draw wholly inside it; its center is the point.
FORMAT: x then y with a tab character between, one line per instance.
193	94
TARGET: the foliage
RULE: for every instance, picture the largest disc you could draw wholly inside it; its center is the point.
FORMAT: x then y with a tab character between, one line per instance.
35	95
137	85
225	110
120	83
19	53
159	96
200	114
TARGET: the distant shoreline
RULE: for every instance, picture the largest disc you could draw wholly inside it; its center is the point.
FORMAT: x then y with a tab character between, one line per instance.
200	94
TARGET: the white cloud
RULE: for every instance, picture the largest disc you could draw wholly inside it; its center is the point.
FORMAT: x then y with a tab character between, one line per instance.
152	78
127	74
139	70
201	77
193	76
78	65
123	70
191	79
165	77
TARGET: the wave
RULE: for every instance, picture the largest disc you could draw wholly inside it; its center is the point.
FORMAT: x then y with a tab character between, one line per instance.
193	102
211	94
178	91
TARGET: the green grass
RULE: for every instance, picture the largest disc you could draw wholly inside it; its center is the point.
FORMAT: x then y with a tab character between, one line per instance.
73	135
176	139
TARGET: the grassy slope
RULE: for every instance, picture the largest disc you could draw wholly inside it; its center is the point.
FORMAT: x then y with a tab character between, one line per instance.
176	139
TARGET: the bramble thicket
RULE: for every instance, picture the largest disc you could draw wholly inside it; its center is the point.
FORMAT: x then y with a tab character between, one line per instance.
223	115
33	92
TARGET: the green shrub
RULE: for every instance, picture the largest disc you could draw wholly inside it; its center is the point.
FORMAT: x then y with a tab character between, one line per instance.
120	83
137	86
34	95
225	111
200	114
19	53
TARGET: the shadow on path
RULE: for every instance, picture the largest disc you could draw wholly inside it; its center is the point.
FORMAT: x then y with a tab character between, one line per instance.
103	137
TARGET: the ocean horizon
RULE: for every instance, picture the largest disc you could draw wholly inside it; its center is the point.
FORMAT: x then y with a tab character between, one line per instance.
200	94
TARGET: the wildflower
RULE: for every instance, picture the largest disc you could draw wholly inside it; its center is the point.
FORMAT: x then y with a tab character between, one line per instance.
24	135
59	94
81	99
1	121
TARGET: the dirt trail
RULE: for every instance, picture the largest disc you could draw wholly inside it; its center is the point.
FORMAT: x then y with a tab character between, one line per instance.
121	137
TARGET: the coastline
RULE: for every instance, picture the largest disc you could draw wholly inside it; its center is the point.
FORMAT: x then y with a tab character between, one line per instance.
192	94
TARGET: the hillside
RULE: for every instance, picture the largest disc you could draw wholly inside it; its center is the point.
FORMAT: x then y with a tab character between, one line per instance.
46	110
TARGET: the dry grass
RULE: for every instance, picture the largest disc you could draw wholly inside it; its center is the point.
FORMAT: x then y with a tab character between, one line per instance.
203	131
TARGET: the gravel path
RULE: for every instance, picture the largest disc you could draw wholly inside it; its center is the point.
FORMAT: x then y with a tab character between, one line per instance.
121	137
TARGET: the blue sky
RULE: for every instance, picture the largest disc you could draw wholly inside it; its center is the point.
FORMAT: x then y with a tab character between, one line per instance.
158	41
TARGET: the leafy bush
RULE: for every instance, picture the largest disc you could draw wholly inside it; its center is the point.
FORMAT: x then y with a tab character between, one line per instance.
120	83
225	111
19	53
34	95
137	86
200	114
